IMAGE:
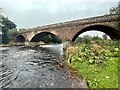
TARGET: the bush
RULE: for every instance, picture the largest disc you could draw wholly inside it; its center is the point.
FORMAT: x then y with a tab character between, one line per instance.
96	61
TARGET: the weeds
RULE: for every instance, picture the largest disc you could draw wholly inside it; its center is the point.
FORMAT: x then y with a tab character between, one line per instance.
96	61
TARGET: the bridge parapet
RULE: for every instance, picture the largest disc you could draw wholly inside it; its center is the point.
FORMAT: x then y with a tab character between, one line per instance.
105	18
108	24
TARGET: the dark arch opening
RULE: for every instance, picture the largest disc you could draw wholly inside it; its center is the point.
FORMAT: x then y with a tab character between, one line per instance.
111	32
46	37
20	38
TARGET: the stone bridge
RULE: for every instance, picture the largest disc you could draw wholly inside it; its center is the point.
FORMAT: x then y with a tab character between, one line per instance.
69	31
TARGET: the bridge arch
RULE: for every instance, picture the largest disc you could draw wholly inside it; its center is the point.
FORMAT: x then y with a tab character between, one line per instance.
20	38
110	31
42	37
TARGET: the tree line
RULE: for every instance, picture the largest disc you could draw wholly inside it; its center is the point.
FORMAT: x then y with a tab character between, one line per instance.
7	28
88	38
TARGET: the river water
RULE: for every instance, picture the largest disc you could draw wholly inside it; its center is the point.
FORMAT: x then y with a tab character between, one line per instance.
22	67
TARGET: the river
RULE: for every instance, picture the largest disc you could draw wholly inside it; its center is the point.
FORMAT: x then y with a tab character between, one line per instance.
22	67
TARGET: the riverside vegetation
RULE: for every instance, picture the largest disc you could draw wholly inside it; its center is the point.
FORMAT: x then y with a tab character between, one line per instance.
96	61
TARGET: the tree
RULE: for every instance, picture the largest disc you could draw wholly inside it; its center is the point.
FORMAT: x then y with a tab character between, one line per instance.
96	38
51	39
6	26
87	38
104	36
12	33
115	10
79	40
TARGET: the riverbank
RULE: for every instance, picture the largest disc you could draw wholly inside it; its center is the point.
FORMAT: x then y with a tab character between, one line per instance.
96	62
73	74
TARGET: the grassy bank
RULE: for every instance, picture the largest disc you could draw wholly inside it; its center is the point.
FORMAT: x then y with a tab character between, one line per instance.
96	61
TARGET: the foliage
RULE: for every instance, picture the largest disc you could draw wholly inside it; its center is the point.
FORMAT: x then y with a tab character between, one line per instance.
96	61
99	76
51	39
104	36
6	26
96	38
115	10
79	39
86	39
11	33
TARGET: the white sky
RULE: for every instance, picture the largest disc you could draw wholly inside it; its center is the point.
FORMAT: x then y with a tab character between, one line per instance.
33	13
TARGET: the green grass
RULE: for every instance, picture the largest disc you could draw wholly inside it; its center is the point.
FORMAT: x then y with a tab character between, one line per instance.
98	75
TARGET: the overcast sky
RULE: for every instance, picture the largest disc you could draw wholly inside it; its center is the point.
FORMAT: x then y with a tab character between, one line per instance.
33	13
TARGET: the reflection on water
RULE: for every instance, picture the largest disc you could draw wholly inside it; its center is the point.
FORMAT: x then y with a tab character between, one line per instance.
22	67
